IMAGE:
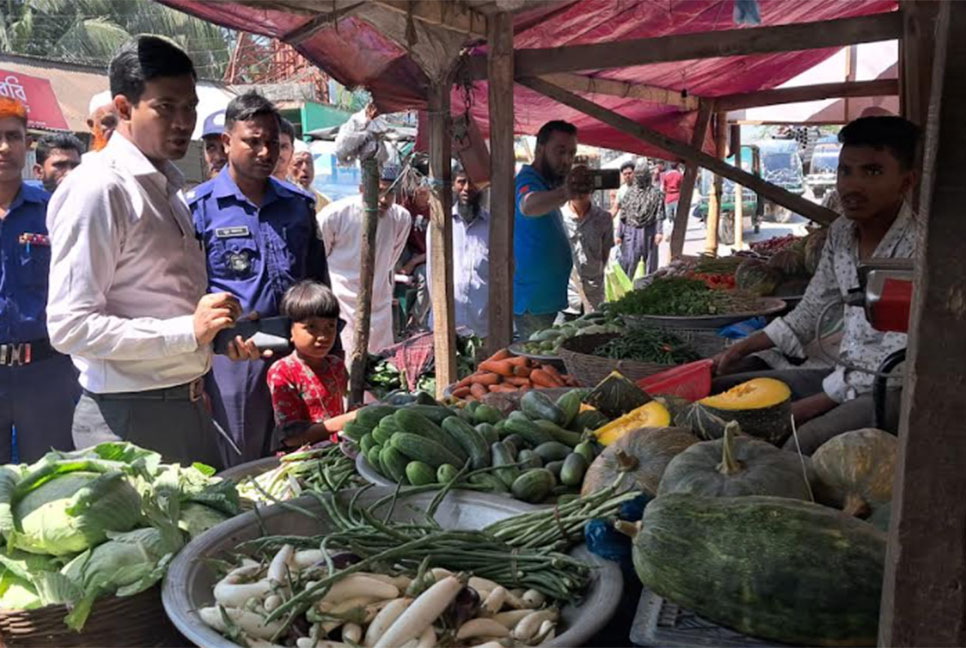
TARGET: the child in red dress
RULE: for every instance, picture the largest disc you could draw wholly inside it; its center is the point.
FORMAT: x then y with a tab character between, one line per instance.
308	386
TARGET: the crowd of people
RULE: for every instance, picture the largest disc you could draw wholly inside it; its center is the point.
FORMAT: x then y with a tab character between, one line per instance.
116	284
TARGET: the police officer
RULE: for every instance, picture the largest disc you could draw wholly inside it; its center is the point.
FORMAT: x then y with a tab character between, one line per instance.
260	238
38	386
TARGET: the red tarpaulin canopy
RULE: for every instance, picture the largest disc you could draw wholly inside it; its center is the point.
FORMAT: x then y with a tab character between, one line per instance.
43	111
366	47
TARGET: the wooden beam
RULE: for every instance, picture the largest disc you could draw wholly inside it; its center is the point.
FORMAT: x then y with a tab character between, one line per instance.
320	21
452	16
623	89
441	234
735	132
502	160
875	88
367	269
680	232
915	64
677	148
716	199
924	591
701	45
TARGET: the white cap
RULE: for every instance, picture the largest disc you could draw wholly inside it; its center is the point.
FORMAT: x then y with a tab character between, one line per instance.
99	100
300	147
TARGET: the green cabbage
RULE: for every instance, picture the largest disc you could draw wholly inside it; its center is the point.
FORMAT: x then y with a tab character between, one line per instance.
197	518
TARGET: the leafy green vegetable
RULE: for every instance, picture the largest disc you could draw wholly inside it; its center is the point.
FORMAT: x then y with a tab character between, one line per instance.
682	297
197	518
648	345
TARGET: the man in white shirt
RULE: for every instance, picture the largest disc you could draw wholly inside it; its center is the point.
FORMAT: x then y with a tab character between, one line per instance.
341	226
127	274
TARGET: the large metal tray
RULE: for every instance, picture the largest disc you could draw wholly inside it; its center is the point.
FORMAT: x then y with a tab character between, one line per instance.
769	306
189	581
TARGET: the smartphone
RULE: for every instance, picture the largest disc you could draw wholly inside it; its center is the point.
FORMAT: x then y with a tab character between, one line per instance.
268	333
605	178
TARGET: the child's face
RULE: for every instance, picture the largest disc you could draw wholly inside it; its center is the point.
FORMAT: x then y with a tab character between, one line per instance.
315	336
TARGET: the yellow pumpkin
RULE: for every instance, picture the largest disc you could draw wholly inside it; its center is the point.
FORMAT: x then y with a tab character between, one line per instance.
761	406
650	415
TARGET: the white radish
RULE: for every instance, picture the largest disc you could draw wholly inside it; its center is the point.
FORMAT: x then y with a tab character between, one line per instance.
230	593
272	601
439	573
533	598
511	618
341	607
428	638
402	582
278	569
423	612
372	610
384	620
249	622
412	643
355	585
514	601
482	584
308	557
261	643
352	633
308	642
489	644
545	629
482	628
493	603
530	624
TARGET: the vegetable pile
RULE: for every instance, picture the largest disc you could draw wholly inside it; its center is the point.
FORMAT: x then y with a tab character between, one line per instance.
683	297
385	583
383	376
503	372
648	345
99	522
318	468
548	341
536	453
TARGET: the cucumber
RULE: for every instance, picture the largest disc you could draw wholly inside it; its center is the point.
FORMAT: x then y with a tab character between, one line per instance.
372	456
469	440
490	482
420	448
381	435
488	432
529	431
366	442
532	458
370	415
573	469
554	467
569	405
424	398
500	427
517	415
394	461
537	405
516	441
355	431
435	413
415	423
588	420
534	485
567	437
487	414
420	473
586	450
552	451
472	406
466	415
502	457
446	473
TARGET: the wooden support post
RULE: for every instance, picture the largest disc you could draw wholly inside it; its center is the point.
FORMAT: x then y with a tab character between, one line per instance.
441	233
367	268
677	148
502	207
690	179
716	198
915	64
924	591
739	194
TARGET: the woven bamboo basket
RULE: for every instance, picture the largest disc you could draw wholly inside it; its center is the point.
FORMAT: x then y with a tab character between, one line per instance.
114	622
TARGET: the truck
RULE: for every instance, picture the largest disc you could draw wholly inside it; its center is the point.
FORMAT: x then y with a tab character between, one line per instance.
824	168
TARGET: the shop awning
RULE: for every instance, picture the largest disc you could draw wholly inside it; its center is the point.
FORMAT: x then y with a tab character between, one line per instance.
43	111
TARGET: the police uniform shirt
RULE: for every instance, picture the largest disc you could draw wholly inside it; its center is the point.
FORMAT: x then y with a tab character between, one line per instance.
24	264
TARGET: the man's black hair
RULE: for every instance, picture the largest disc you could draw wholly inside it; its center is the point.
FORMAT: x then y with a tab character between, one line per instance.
248	106
285	127
51	141
627	165
555	126
897	135
143	59
308	299
458	170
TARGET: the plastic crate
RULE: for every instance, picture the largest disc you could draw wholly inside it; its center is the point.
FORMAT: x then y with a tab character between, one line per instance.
691	381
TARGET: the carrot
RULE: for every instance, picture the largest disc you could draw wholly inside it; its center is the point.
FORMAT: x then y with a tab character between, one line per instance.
552	370
541	378
501	367
521	372
519	361
485	378
461	392
502	387
518	381
478	390
502	354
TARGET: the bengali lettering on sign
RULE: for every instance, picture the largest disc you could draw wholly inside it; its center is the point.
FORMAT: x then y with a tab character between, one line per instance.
43	110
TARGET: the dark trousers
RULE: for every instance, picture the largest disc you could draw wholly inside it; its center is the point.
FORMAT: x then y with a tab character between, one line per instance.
180	430
637	244
38	400
241	405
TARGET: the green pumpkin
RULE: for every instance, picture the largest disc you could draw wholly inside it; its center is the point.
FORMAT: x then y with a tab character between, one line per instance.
736	466
615	396
762	406
771	567
856	470
643	453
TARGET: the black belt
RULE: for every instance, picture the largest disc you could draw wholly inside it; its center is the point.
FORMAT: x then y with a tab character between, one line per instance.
17	354
192	391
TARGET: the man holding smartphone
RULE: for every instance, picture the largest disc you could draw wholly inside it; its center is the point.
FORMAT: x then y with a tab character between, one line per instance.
260	238
127	274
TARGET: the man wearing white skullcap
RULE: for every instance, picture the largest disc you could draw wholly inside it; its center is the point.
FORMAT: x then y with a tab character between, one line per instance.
302	172
101	119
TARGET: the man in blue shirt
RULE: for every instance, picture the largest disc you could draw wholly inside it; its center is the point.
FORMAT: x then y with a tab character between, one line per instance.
541	250
260	238
38	386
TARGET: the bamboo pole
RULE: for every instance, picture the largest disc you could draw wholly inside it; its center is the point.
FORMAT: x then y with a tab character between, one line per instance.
367	268
714	201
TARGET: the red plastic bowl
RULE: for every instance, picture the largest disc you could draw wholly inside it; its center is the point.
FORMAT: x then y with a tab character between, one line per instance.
691	381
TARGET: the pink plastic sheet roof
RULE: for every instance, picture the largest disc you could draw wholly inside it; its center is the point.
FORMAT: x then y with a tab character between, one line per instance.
355	53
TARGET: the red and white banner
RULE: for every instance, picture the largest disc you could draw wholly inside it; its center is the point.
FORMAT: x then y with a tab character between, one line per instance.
43	111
